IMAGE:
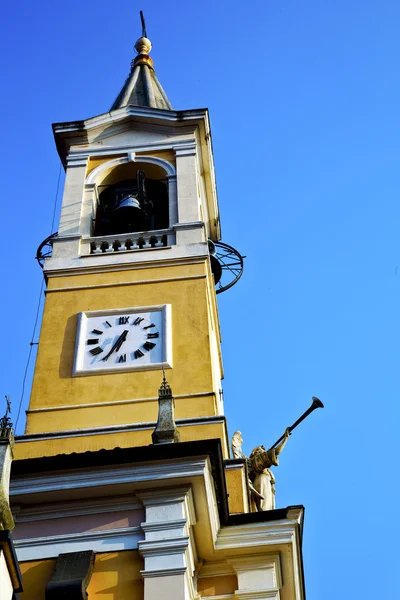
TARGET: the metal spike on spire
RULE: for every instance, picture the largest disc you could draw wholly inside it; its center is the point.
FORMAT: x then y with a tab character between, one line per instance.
142	87
144	32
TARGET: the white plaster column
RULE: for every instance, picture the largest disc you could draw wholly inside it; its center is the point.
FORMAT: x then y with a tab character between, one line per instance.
259	576
172	200
67	244
168	548
71	208
6	587
187	184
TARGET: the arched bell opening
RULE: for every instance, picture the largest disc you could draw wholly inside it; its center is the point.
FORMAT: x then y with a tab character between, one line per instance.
132	197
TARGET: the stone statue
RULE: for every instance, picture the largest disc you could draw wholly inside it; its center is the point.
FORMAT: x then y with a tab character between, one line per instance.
262	480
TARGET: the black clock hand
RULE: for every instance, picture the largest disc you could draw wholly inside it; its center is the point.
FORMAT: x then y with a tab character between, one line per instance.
118	343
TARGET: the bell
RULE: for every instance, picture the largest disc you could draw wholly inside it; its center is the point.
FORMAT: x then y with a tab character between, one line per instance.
128	215
216	268
128	201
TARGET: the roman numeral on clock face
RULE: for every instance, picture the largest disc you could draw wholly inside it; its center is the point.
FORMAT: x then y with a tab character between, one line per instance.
138	320
97	331
122	358
123	320
148	345
138	353
93	341
152	335
96	350
149	326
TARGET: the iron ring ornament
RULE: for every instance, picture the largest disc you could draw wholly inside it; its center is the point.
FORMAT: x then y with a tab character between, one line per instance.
45	249
226	264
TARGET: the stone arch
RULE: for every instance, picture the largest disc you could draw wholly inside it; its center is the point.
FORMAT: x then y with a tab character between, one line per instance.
99	173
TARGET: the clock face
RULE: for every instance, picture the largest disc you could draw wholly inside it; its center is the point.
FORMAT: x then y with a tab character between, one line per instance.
122	340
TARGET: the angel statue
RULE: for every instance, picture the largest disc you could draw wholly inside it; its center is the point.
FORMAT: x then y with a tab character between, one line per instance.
262	480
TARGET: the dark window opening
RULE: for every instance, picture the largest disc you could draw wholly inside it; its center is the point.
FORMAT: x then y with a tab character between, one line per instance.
132	205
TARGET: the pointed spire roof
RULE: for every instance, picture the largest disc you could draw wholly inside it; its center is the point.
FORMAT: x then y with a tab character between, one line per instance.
142	87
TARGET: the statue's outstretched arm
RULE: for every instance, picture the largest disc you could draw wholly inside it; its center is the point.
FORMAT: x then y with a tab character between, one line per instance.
280	447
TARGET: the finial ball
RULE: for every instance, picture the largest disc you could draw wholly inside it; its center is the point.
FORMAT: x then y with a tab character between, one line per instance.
143	45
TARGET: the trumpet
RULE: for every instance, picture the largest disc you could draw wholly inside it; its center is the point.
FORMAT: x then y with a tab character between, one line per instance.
316	403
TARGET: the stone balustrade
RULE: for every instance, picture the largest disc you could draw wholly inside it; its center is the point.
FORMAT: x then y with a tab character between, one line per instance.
132	241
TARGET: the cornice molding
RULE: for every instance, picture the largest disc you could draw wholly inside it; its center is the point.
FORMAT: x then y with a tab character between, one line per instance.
68	433
110	540
120	402
100	477
258	534
124	283
44	512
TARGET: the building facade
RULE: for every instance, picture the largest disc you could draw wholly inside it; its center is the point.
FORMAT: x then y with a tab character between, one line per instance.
103	509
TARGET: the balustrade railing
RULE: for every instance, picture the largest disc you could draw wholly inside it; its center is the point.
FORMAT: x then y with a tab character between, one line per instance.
131	241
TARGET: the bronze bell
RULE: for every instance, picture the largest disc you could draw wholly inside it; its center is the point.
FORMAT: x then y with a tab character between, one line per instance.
128	215
128	201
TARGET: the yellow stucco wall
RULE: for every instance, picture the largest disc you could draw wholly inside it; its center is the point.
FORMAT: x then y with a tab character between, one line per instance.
184	288
237	490
128	439
35	576
217	586
116	576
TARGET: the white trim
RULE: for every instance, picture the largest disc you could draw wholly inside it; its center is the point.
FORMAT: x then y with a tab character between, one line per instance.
220	597
110	540
118	402
108	476
169	546
230	467
131	157
163	572
188	225
269	533
112	117
124	283
96	151
257	594
68	433
44	512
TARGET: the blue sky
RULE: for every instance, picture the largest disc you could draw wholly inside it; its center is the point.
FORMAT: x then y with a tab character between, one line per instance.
304	100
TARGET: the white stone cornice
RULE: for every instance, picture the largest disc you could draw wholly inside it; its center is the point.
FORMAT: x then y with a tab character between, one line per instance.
96	151
250	535
110	540
163	572
62	510
163	547
187	149
123	427
27	485
257	594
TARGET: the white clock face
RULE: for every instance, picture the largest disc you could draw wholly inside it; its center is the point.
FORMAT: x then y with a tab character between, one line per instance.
123	340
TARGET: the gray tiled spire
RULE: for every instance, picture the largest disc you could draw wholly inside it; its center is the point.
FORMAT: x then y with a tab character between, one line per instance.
142	87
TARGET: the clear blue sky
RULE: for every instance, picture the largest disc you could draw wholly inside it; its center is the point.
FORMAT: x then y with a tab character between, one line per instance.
304	100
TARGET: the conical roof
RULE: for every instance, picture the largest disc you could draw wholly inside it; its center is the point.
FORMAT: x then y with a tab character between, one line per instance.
142	87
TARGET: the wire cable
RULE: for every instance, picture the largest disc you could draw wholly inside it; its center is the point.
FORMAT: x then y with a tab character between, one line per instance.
32	343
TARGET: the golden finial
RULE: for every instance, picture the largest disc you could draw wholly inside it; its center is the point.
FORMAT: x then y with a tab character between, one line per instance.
143	46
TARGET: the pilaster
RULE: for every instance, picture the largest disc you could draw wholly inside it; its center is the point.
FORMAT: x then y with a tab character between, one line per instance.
168	548
259	576
71	208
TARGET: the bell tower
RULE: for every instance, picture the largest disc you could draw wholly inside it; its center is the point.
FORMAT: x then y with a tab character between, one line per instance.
131	278
121	488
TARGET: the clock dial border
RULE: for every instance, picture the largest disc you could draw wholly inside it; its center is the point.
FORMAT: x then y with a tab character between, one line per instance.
81	346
